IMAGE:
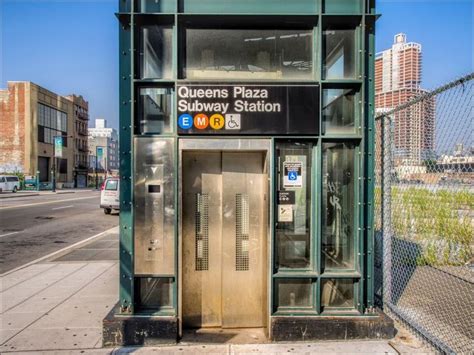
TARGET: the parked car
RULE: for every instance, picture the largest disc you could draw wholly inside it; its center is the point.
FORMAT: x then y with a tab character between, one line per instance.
9	183
110	195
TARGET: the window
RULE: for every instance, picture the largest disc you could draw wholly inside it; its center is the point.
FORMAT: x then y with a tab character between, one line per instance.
338	221
342	6
339	54
294	293
337	293
156	52
51	123
155	111
339	107
12	178
249	54
111	185
154	293
293	226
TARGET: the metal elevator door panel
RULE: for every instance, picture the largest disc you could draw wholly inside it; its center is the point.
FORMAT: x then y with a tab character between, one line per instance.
224	246
243	240
202	229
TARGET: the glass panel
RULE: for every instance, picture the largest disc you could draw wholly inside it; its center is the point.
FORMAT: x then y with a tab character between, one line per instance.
342	6
293	225
339	54
337	293
155	111
294	293
154	6
338	206
155	293
248	54
339	111
250	6
48	117
156	51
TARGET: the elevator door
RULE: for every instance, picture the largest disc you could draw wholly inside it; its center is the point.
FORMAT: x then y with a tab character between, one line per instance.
224	246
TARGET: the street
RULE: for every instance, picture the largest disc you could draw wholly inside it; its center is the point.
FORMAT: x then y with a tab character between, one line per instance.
35	226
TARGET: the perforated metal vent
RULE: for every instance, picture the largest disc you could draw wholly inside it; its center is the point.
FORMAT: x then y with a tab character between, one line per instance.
242	232
202	232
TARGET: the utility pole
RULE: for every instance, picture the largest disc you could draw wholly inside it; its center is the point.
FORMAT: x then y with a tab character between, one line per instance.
96	166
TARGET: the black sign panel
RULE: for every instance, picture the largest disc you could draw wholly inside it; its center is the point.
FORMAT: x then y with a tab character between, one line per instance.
248	109
286	198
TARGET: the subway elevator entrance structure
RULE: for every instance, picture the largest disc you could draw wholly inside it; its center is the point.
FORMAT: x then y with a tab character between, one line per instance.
246	170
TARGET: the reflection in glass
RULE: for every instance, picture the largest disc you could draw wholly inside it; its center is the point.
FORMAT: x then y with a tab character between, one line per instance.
339	54
338	206
339	110
293	230
155	110
248	54
337	293
294	293
155	293
156	52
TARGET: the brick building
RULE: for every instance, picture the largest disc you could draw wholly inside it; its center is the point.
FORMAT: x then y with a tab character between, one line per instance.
398	81
30	118
81	156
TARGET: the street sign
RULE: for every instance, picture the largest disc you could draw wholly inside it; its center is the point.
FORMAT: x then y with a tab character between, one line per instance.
58	147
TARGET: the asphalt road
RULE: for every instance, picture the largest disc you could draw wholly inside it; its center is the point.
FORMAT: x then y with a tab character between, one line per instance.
35	226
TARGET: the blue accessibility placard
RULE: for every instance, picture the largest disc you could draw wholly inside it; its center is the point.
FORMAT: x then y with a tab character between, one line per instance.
292	174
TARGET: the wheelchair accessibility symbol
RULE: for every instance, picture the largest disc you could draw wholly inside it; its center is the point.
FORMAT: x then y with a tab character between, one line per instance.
292	176
232	121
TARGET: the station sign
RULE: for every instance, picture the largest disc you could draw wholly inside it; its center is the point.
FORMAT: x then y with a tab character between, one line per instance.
248	109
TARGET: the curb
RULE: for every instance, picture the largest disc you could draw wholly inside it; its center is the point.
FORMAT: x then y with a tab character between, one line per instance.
46	193
16	196
60	252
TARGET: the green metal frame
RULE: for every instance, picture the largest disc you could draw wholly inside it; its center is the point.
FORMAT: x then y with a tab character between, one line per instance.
364	137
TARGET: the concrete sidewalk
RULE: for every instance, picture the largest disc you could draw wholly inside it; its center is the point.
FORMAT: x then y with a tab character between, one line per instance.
56	306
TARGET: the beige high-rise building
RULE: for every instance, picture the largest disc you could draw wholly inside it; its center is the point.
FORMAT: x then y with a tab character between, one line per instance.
30	118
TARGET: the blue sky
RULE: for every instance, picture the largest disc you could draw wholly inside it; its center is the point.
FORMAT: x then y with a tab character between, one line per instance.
71	46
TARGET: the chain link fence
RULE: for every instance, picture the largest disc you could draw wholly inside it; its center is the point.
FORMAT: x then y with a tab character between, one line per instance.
424	200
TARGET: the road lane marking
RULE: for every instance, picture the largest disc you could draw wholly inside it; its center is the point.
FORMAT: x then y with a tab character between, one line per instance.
5	235
63	250
47	202
60	208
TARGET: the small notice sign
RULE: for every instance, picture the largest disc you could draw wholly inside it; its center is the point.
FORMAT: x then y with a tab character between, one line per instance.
292	174
286	197
285	213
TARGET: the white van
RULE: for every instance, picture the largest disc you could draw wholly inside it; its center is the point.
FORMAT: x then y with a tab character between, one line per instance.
9	183
110	195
